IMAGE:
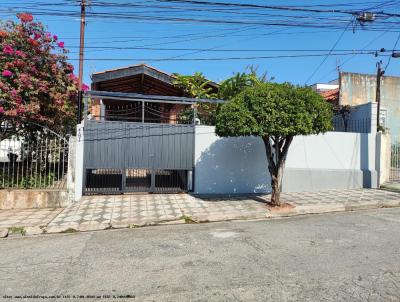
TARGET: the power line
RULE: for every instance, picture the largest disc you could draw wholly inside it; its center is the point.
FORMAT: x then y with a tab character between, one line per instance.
330	53
223	58
275	7
390	58
352	57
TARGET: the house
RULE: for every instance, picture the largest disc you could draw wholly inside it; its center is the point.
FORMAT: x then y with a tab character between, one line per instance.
140	79
360	89
331	96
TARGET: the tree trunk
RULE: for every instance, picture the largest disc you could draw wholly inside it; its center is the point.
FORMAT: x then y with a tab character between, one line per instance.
276	191
276	164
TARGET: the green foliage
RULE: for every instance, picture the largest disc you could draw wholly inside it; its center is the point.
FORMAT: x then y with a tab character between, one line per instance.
232	86
38	180
197	86
188	219
17	230
194	86
274	109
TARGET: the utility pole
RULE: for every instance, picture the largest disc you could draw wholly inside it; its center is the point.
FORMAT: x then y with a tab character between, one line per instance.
379	75
81	49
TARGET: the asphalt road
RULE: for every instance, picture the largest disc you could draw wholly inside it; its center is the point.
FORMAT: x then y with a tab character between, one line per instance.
332	257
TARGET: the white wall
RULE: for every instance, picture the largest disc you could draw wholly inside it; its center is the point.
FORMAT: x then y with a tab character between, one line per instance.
7	146
239	165
229	165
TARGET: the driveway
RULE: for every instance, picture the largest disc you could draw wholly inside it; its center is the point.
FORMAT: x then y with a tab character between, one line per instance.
351	256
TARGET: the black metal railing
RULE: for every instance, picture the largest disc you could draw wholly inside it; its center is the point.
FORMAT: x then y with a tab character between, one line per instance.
38	164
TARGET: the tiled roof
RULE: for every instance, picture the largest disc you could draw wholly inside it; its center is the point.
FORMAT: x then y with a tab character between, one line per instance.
330	95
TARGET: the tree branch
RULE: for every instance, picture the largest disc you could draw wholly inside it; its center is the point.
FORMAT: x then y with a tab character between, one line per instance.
285	149
268	149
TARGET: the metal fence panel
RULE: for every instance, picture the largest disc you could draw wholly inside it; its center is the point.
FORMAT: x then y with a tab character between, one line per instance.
119	145
41	163
395	162
357	126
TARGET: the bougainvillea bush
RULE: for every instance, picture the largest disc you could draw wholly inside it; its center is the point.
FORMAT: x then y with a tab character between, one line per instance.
37	84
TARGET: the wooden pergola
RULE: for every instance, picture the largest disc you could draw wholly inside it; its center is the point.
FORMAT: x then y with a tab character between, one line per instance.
135	98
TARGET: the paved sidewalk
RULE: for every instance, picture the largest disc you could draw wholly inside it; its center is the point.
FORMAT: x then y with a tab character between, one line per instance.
32	221
122	211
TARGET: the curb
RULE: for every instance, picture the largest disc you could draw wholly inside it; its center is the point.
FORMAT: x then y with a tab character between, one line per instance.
297	211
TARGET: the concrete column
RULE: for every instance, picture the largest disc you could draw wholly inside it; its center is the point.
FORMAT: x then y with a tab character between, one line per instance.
79	163
71	168
102	110
383	156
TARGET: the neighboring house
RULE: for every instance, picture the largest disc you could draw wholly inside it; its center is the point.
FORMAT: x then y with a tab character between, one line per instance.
359	89
141	79
332	96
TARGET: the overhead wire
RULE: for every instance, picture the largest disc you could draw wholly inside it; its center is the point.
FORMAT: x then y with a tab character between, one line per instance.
329	53
394	47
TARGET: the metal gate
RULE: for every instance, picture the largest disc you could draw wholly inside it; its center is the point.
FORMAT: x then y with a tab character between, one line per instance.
124	157
395	162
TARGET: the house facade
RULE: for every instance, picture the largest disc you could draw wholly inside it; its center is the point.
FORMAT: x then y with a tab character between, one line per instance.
138	79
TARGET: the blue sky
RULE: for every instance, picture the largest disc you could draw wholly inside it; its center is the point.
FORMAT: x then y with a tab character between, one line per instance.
242	40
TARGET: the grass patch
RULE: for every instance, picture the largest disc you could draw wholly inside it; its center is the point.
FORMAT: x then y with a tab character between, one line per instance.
70	230
17	230
188	219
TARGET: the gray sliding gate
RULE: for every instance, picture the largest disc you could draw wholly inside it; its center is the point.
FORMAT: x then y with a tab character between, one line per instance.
137	157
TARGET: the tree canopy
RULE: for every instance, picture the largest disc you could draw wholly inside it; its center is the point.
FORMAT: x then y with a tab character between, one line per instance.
37	84
274	109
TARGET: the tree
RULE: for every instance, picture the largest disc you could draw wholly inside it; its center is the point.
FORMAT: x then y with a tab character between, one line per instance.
197	86
276	113
37	84
235	84
239	81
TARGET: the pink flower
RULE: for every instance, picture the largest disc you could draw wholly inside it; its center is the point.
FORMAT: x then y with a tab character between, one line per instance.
55	38
14	93
70	68
85	87
20	53
1	110
6	73
25	17
36	36
73	77
8	50
60	44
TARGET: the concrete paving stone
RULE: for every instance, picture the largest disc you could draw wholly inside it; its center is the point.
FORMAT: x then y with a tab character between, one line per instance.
59	228
93	226
33	230
10	222
3	232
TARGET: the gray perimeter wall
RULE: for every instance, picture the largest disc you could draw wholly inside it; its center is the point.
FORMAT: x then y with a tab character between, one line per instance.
334	160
